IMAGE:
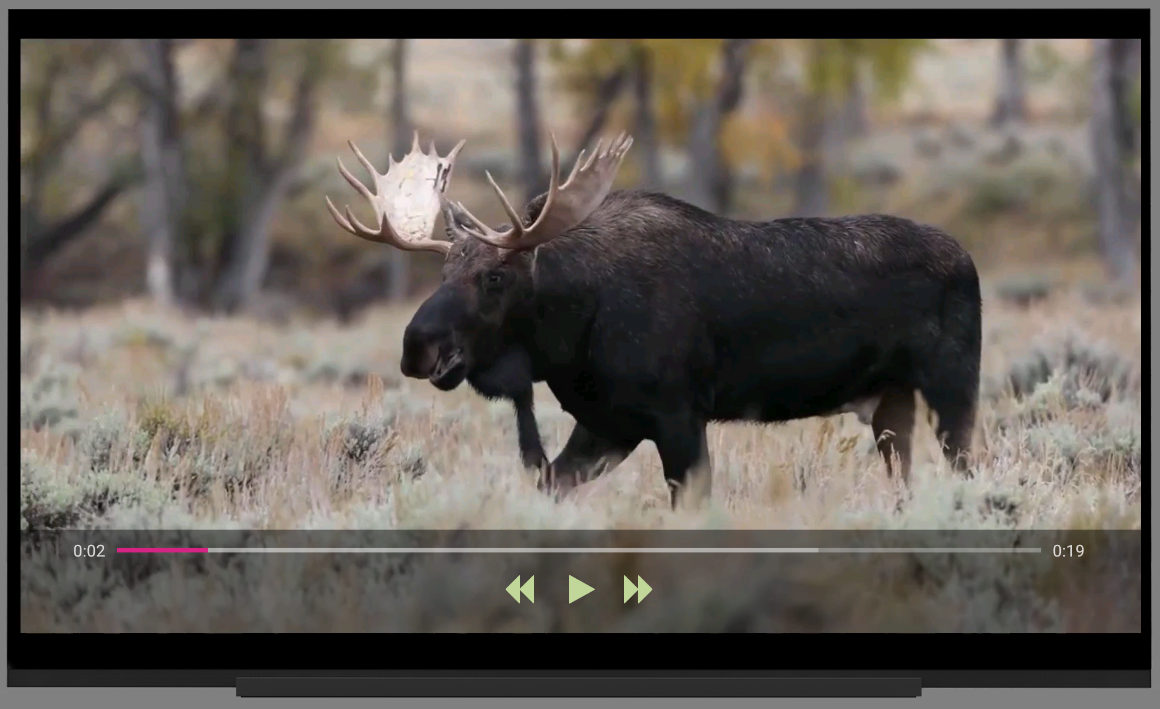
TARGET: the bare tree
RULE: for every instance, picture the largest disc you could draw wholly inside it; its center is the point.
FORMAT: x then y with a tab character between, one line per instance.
645	133
1011	101
398	261
1111	148
710	179
163	199
206	228
258	181
51	75
528	118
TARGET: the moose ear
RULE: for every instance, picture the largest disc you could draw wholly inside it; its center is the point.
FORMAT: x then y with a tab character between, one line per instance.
453	220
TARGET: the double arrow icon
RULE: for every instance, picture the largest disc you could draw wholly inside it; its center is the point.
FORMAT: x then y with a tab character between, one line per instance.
630	589
529	589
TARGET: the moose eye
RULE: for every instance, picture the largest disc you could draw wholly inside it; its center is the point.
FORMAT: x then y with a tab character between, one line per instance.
494	279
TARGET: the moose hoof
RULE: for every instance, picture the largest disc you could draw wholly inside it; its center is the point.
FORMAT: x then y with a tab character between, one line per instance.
556	486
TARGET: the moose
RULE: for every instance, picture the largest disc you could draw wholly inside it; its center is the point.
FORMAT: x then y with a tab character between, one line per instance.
649	318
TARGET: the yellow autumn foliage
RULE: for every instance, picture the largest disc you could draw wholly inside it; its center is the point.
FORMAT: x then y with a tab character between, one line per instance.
764	137
685	73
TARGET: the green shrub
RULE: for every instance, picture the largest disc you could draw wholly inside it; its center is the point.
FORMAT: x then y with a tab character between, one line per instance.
48	399
53	498
212	445
1085	369
1025	290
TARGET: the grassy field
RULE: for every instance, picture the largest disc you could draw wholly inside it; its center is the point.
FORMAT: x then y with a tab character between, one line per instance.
135	418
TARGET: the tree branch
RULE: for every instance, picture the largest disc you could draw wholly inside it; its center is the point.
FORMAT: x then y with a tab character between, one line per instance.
51	143
37	248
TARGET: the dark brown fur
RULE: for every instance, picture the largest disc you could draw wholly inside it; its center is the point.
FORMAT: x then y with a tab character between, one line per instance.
653	317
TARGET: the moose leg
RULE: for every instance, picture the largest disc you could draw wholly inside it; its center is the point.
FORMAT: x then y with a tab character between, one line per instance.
510	377
531	447
586	456
955	399
893	424
956	422
683	444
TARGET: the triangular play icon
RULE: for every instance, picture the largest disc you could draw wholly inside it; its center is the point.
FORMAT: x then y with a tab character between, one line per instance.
577	589
645	589
629	589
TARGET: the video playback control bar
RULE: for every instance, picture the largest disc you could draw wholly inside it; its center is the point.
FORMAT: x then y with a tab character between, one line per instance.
579	550
577	589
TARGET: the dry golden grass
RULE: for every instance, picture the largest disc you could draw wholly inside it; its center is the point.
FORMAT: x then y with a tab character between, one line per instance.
136	418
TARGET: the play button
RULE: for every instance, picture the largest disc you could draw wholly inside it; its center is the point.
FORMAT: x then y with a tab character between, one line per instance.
577	589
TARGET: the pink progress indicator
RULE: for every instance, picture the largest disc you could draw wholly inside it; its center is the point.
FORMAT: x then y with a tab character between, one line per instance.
162	550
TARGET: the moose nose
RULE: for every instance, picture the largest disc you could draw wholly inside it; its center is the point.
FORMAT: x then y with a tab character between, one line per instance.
431	331
421	349
422	333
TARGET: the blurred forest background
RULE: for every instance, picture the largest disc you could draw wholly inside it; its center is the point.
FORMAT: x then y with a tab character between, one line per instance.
193	171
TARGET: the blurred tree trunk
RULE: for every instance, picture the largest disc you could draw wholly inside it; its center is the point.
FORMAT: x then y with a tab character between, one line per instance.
1130	126
812	189
1135	58
531	174
1133	118
855	120
163	199
607	91
1011	101
36	166
646	122
399	261
256	181
710	178
1110	146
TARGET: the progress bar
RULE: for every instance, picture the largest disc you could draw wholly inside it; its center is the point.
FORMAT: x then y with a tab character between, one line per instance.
581	550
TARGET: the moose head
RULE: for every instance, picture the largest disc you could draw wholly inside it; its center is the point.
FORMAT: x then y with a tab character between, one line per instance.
487	278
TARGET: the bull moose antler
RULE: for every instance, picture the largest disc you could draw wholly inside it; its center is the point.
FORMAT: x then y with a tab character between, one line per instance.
406	199
566	205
